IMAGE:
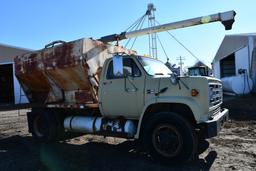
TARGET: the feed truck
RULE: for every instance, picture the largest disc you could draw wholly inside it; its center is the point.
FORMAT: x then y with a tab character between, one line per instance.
93	87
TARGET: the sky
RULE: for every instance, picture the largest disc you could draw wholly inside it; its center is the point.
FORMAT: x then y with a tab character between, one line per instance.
34	23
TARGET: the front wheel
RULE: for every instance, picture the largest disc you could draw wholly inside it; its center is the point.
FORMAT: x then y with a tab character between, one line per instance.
169	137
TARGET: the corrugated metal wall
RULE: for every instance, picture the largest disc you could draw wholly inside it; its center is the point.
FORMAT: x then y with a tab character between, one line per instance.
242	46
14	119
7	53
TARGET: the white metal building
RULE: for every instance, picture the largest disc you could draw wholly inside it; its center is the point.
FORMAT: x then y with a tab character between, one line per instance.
235	63
10	89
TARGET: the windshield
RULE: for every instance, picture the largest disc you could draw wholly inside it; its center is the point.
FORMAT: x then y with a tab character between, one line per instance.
198	71
154	67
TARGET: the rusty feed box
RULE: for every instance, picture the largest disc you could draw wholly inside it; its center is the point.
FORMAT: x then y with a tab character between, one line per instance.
67	74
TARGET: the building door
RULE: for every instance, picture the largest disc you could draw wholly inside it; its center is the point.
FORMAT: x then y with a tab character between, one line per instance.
228	66
6	84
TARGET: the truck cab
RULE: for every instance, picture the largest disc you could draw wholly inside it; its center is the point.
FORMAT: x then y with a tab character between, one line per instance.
144	89
199	71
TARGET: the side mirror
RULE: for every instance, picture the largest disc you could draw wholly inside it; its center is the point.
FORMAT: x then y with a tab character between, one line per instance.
118	66
174	78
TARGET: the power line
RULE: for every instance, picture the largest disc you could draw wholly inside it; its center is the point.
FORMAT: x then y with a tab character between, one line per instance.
132	26
152	38
189	51
135	27
167	58
139	26
180	59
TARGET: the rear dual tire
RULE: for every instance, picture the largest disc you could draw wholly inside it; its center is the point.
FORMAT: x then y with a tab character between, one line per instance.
44	126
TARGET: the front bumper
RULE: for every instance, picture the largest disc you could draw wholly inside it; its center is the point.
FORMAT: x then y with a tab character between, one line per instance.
211	128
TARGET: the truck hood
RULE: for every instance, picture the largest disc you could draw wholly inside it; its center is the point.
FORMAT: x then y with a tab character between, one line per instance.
181	93
185	84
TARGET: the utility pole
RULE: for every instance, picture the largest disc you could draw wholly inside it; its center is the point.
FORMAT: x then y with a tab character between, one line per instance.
181	59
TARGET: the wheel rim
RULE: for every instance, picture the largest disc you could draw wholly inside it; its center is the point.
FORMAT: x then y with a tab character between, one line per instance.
40	126
167	140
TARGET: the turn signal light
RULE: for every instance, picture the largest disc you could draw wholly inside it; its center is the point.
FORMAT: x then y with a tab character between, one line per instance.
194	92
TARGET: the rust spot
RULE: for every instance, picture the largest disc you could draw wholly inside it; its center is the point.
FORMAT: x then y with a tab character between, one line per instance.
37	86
83	97
18	66
30	64
70	78
98	74
60	56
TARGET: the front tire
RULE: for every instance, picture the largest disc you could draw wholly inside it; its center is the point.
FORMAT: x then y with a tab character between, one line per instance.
169	137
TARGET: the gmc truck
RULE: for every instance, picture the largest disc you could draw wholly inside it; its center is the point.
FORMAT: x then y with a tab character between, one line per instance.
93	87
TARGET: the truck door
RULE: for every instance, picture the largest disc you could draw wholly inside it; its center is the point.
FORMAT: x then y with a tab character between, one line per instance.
123	95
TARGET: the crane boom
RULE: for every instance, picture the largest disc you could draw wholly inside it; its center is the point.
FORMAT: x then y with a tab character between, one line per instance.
226	18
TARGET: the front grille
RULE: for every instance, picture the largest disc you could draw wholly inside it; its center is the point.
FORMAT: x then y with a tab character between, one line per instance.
215	93
216	111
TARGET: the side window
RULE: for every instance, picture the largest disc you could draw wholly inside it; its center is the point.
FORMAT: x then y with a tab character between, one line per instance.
130	69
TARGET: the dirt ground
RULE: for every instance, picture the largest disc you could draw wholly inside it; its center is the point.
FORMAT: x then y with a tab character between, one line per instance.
233	149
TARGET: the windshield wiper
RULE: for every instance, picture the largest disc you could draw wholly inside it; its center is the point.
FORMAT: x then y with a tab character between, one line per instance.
176	80
158	74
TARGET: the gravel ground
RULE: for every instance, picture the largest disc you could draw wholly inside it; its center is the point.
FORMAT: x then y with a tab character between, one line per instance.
233	149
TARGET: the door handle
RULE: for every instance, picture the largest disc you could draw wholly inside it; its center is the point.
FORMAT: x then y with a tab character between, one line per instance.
107	82
150	91
131	90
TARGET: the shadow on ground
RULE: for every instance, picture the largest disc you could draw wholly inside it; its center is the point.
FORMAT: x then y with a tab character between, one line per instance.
241	108
22	153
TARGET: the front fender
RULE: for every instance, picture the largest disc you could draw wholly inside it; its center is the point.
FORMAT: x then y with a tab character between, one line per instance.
189	101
